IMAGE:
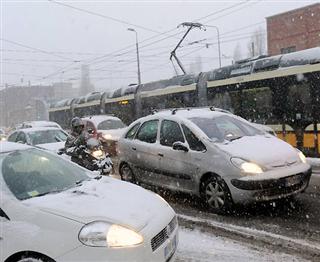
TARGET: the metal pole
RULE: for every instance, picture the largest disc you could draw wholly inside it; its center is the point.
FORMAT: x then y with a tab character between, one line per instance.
137	50
219	49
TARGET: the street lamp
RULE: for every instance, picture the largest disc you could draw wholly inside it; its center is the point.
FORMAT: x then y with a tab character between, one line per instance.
218	41
138	61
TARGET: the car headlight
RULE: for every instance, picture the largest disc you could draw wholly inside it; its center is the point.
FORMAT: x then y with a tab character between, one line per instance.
302	157
97	153
103	234
107	136
247	167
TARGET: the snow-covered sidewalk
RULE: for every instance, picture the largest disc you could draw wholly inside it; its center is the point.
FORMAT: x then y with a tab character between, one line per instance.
195	245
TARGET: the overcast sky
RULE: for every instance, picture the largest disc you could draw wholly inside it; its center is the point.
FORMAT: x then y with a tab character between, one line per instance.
45	42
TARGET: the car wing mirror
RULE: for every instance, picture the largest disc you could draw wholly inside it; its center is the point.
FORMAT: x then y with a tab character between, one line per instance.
90	131
180	146
20	142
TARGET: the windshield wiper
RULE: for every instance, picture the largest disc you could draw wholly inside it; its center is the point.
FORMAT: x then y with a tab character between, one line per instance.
47	193
235	138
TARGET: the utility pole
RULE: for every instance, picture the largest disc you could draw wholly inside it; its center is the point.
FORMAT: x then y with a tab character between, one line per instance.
218	33
137	50
252	47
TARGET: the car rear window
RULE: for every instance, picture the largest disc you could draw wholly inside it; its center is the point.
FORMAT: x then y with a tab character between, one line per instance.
110	124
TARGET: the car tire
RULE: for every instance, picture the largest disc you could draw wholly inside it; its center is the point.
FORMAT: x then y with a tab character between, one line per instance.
126	173
216	195
34	258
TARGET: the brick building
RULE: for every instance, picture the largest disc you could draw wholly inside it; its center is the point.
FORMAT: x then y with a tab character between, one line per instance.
294	30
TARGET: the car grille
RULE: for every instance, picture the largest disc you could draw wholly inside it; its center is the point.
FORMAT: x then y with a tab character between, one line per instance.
164	234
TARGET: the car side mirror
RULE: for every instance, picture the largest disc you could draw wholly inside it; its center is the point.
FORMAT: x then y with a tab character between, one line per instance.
90	131
20	142
180	146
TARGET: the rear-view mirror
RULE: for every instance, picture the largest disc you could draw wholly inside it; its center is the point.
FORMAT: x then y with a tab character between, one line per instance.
180	146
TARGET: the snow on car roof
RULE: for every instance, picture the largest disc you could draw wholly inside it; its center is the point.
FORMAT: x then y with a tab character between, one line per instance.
10	146
193	112
35	129
97	119
41	123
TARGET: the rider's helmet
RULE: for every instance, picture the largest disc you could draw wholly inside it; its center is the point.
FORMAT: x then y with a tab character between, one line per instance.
77	125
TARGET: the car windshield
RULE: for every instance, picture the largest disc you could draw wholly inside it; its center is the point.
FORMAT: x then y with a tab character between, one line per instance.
225	128
31	173
111	124
47	136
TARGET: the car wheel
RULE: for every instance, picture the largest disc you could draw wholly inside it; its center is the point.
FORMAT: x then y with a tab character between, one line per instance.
127	174
216	195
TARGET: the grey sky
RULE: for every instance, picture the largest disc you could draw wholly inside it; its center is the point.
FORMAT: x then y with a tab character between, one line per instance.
71	35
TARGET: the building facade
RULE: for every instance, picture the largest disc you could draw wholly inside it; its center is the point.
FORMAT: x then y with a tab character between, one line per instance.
294	30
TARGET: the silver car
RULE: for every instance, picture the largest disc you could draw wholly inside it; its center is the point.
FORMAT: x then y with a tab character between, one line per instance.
213	154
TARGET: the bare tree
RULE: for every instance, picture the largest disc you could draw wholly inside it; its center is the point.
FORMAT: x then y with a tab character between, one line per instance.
257	43
237	55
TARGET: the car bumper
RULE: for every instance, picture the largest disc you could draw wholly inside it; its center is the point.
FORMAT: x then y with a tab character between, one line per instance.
165	252
270	189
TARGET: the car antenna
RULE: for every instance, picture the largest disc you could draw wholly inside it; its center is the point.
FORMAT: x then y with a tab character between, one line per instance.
173	52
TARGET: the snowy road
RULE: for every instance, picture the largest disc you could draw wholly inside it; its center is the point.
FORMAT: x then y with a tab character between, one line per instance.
200	246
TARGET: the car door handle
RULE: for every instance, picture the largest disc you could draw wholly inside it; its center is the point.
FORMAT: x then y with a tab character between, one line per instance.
133	148
159	154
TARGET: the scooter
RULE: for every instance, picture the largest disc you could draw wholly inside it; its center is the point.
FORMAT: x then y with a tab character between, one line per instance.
90	156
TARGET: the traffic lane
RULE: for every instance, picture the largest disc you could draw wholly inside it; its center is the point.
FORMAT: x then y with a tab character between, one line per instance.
198	244
296	217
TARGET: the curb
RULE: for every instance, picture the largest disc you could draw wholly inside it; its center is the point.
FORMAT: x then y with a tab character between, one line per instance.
298	246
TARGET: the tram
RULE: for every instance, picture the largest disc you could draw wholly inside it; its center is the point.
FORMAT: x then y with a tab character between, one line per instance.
280	91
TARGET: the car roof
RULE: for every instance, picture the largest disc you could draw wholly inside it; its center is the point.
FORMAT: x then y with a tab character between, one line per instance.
10	146
35	129
97	119
187	113
40	123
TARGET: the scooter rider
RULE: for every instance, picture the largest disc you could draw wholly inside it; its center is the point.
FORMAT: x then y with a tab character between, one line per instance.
76	139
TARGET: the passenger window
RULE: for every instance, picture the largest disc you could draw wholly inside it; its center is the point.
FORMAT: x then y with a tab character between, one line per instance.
13	137
22	138
194	142
132	131
148	131
170	133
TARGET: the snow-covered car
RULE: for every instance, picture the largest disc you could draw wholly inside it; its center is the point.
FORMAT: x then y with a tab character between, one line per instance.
54	210
107	128
50	138
213	154
32	124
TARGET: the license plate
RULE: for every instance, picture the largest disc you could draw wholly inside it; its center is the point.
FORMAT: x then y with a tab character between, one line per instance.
291	181
171	247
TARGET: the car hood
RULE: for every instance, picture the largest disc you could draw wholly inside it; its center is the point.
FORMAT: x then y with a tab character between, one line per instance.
52	146
265	150
115	133
107	199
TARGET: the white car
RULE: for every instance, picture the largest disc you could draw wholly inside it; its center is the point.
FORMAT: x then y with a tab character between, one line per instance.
108	128
54	210
213	154
50	138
